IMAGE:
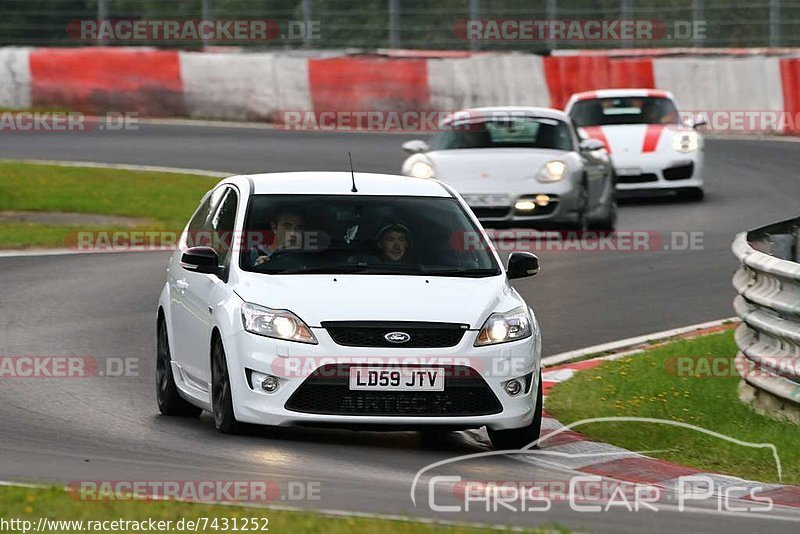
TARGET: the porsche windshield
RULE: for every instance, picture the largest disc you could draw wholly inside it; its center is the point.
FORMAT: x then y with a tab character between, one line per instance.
310	234
624	110
512	132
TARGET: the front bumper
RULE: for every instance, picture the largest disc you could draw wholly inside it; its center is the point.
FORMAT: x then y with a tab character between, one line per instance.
658	172
500	208
293	363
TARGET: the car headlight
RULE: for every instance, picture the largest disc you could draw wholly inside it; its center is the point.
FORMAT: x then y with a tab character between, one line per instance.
505	327
422	169
553	171
685	141
280	324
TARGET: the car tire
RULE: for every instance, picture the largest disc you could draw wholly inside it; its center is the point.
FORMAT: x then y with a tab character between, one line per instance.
693	194
516	438
221	398
169	399
582	222
608	223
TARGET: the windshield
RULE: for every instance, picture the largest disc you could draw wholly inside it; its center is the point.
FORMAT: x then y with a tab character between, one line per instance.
624	110
308	234
512	132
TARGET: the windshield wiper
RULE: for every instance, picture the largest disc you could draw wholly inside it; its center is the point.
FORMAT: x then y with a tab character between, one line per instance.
324	269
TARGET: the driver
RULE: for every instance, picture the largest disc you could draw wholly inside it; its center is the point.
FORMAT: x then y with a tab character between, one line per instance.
393	241
287	230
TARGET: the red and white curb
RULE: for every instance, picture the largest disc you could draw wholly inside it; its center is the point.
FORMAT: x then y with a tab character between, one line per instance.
571	450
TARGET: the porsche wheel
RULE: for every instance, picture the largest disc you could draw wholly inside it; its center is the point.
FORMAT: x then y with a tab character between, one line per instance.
608	222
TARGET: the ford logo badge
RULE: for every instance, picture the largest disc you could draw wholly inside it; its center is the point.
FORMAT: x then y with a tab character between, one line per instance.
397	337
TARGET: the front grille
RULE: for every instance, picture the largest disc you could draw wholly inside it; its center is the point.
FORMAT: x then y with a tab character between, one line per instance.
373	334
682	172
491	213
637	178
326	391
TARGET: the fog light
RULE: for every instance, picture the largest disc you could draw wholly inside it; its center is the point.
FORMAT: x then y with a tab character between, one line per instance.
269	384
525	205
542	200
513	387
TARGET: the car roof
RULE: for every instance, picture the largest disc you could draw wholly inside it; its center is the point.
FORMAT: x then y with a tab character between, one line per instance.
340	183
531	111
613	93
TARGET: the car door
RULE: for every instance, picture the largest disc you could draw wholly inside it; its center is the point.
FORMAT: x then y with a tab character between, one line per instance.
185	291
202	287
177	278
596	167
598	170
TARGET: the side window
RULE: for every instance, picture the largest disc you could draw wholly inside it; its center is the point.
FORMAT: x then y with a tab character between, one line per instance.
222	225
198	221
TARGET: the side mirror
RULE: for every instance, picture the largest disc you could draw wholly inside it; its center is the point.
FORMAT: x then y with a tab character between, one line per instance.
590	145
522	264
200	260
415	145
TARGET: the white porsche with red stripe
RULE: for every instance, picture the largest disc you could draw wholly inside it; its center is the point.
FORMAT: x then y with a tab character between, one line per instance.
650	148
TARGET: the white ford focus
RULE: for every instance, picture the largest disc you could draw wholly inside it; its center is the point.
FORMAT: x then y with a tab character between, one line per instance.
652	150
331	299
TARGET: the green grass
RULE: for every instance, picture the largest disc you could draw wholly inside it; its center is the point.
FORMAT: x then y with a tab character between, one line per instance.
163	200
55	503
647	385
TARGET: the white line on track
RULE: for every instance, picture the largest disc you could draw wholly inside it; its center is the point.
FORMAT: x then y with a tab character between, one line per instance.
120	166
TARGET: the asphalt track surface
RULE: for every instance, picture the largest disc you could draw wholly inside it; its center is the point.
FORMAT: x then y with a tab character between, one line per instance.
107	428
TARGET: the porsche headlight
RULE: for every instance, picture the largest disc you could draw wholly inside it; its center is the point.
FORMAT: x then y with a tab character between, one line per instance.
422	169
505	327
685	142
553	171
279	324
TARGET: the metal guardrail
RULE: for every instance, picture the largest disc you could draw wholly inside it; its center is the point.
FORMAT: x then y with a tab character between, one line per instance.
768	283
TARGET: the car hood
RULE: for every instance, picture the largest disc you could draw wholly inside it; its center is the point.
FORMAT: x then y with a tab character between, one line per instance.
356	297
481	169
633	139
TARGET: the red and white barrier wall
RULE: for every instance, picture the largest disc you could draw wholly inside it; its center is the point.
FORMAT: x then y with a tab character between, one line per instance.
258	86
15	78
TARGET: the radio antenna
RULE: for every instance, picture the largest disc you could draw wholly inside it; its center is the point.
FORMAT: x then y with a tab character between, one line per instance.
352	174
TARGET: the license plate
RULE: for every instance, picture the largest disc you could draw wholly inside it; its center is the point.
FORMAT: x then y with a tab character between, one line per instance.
396	379
629	171
482	201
